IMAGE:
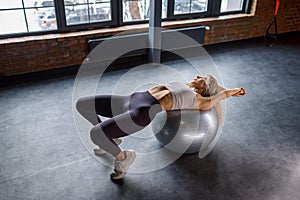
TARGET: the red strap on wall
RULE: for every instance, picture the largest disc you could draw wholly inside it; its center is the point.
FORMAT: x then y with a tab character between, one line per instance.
277	7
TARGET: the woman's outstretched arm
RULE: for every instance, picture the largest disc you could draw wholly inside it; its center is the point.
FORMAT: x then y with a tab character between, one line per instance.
206	103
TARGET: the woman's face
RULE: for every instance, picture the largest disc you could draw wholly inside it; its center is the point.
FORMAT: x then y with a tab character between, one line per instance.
200	82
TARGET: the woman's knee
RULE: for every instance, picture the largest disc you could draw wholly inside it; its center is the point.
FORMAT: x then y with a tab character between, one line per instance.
95	135
82	104
79	104
98	136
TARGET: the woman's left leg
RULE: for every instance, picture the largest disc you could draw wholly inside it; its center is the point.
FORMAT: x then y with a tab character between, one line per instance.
105	105
140	114
142	109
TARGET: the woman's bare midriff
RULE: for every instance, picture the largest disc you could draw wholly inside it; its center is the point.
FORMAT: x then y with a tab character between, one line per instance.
163	95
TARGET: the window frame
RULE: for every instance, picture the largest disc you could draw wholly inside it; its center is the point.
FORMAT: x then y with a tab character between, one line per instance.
86	26
213	10
245	9
174	16
27	33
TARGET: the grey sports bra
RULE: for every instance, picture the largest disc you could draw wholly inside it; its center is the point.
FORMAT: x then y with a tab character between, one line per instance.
183	95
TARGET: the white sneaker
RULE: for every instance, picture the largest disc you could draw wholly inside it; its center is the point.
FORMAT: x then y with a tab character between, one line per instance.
121	167
100	152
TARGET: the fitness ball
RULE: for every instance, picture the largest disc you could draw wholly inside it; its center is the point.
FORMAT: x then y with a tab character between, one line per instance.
185	131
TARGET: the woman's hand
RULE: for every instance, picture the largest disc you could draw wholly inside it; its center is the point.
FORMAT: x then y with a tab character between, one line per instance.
242	92
237	92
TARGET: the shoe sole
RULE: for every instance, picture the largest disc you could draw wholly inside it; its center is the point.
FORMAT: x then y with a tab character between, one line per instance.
99	153
122	174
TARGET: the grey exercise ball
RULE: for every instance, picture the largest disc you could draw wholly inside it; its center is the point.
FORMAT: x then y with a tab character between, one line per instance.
185	131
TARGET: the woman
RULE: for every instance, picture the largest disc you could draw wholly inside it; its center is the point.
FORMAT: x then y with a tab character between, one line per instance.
129	114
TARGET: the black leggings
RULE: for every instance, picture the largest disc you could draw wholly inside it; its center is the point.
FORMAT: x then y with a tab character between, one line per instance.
127	115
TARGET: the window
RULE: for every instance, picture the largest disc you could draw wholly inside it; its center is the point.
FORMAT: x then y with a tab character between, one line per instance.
138	10
189	6
231	5
87	11
29	17
24	16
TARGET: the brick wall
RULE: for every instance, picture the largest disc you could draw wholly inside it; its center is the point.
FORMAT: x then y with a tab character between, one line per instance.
288	20
36	53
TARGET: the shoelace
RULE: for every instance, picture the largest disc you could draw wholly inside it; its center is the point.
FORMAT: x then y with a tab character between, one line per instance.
118	166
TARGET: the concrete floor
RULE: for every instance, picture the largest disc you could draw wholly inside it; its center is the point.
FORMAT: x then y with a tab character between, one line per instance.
257	156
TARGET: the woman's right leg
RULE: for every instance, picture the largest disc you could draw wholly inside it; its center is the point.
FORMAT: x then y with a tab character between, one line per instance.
107	106
103	133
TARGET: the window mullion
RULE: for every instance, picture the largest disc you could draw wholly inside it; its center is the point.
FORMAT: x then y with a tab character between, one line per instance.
170	9
117	12
60	15
247	6
25	16
215	6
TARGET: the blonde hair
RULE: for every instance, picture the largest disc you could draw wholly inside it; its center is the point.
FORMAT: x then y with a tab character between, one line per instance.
212	89
212	86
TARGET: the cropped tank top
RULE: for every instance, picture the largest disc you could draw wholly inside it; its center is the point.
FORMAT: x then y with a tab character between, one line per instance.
183	96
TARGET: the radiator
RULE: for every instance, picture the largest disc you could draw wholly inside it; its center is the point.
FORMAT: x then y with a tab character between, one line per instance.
196	33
